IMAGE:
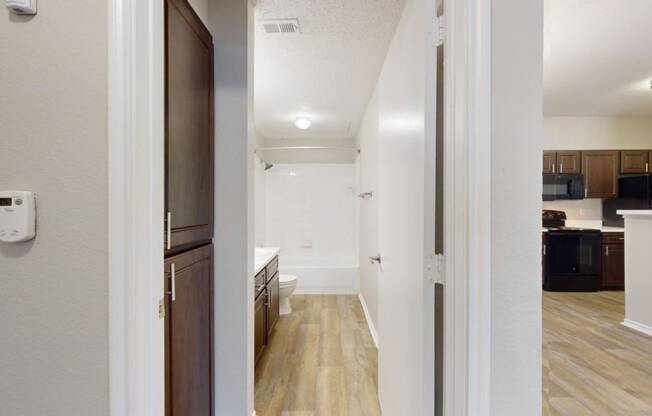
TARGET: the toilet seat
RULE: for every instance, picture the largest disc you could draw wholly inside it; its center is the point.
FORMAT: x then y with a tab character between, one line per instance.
287	279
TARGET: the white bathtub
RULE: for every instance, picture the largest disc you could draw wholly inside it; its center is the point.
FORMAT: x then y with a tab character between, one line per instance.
323	276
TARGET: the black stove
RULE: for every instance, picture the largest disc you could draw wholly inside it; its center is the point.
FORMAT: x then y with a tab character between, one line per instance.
572	257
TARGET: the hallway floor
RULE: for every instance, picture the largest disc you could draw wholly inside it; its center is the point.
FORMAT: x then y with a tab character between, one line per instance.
321	361
592	365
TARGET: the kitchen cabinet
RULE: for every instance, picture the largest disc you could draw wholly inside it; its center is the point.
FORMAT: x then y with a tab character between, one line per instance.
569	161
189	333
635	161
613	261
601	169
561	161
544	258
549	161
188	128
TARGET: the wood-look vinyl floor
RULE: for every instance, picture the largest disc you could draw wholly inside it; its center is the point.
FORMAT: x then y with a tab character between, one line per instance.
321	361
592	365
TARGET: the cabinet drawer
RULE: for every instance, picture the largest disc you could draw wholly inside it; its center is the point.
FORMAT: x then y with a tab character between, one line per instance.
613	238
272	268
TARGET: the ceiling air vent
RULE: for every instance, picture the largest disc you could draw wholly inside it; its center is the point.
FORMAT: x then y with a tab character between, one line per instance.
280	27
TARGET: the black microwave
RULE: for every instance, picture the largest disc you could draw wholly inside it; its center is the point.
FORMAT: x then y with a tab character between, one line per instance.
558	186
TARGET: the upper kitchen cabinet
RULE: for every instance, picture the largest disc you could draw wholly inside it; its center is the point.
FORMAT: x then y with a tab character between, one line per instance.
188	128
635	161
569	161
562	161
601	169
549	161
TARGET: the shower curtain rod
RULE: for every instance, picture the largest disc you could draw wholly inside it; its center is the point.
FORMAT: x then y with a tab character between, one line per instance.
309	148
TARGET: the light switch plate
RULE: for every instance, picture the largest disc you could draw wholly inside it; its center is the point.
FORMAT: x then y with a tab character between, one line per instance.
27	7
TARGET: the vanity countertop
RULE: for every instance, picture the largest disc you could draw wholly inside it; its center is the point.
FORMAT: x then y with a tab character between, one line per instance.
262	256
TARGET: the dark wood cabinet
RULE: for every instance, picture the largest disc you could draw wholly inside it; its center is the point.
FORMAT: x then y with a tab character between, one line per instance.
188	333
188	128
260	326
635	161
601	169
549	161
272	303
544	258
569	161
613	261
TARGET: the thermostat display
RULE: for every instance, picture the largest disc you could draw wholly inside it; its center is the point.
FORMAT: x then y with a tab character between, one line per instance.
17	216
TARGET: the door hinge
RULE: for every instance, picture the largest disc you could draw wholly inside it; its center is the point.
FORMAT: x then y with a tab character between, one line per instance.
439	30
435	268
161	308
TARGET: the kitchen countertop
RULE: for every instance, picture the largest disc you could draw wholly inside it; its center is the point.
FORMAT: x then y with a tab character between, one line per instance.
262	256
591	225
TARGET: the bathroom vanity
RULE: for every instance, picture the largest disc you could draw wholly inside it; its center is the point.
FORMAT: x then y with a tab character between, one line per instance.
266	297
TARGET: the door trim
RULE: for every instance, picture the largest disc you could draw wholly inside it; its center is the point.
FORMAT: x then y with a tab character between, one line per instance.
467	208
136	171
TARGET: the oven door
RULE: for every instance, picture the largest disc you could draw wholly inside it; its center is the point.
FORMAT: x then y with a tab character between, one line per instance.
574	253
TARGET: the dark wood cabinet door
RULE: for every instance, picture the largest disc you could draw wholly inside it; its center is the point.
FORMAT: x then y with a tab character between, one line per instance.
549	161
260	326
569	161
601	169
634	161
188	126
188	327
613	261
544	258
272	304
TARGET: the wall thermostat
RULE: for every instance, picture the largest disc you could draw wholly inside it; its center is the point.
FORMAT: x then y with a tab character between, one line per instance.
17	216
22	6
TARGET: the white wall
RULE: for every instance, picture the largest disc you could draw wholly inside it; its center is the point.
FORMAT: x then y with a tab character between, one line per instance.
260	191
578	133
638	263
231	22
367	140
53	140
517	141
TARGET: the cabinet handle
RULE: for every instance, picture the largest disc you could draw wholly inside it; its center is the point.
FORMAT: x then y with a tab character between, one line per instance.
586	192
267	302
553	168
173	281
561	168
647	167
606	249
544	249
169	231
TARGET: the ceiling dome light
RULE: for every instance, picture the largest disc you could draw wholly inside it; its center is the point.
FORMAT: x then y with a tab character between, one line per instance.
302	123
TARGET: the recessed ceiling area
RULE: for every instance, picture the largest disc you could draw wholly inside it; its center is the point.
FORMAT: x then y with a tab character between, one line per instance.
597	59
325	73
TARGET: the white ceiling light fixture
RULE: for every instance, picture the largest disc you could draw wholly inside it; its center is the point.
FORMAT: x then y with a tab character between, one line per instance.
303	123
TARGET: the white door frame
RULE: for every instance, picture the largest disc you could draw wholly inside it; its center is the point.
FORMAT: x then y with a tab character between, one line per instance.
467	206
136	192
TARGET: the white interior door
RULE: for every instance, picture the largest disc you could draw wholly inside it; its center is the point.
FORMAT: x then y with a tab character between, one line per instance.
401	218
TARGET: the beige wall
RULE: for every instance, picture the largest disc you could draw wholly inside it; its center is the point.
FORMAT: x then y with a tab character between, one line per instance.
597	132
201	8
53	140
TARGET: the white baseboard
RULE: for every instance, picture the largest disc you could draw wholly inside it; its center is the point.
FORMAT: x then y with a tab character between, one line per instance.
325	291
642	328
370	324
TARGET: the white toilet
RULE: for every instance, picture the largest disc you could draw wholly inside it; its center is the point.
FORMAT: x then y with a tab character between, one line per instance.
287	284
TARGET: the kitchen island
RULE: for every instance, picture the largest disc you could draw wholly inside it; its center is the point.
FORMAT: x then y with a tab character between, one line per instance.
638	270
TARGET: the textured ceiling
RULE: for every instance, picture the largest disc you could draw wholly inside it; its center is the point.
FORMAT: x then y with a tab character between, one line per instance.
597	57
328	72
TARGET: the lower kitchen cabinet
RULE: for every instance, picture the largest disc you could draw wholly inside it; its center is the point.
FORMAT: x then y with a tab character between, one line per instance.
189	333
613	261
